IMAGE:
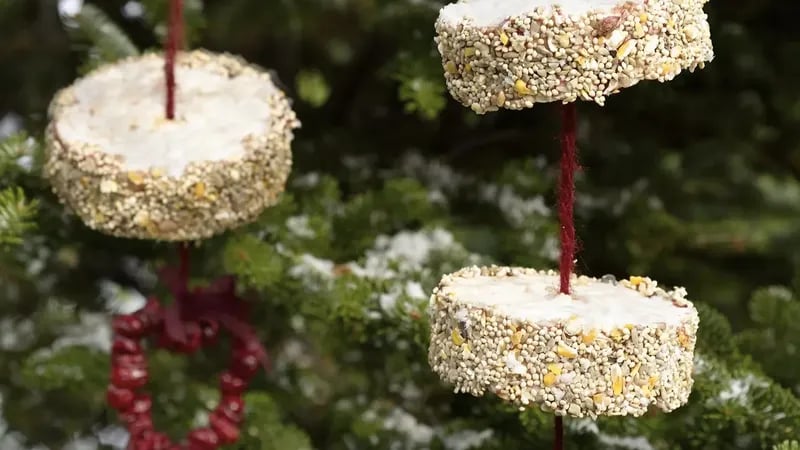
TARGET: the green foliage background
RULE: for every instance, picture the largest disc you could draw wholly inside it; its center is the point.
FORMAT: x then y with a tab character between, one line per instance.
694	183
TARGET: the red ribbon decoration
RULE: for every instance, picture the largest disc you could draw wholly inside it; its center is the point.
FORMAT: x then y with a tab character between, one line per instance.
171	46
216	305
566	204
190	322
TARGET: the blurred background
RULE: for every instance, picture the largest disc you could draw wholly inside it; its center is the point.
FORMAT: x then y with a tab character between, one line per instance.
694	182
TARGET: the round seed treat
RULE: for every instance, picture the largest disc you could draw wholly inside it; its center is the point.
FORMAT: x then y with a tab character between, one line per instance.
514	53
608	349
126	170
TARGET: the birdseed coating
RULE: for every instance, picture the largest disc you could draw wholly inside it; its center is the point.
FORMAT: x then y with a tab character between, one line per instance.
544	55
561	364
207	197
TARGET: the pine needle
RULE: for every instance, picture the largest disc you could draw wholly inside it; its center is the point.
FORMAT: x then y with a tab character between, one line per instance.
16	216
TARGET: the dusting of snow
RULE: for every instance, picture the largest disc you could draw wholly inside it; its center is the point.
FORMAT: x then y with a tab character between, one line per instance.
408	250
16	334
140	271
132	10
310	265
738	389
630	443
583	425
410	391
408	425
437	197
516	209
433	174
298	225
551	249
92	330
780	292
120	300
113	436
10	124
700	364
388	301
467	439
308	180
11	440
588	426
82	443
298	323
69	8
414	291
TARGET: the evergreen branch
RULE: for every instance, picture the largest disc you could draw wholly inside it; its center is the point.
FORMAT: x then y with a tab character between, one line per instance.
11	150
758	234
16	216
108	42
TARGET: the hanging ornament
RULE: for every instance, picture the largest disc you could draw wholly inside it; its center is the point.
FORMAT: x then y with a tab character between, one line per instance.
570	344
174	147
513	54
608	349
129	171
191	322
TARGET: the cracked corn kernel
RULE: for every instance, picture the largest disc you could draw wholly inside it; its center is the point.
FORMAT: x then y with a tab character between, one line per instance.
456	337
135	178
199	189
683	339
469	51
549	379
626	49
616	334
635	370
652	381
504	38
450	67
643	17
517	337
589	337
598	398
616	384
522	88
636	280
617	380
555	368
566	352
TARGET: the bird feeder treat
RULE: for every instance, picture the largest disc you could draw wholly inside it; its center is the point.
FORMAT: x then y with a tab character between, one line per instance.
126	170
607	349
514	53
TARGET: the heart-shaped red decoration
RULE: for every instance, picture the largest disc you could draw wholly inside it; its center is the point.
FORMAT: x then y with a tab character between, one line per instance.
129	375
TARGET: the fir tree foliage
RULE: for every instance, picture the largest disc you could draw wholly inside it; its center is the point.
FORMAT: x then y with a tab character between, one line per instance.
394	185
17	212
